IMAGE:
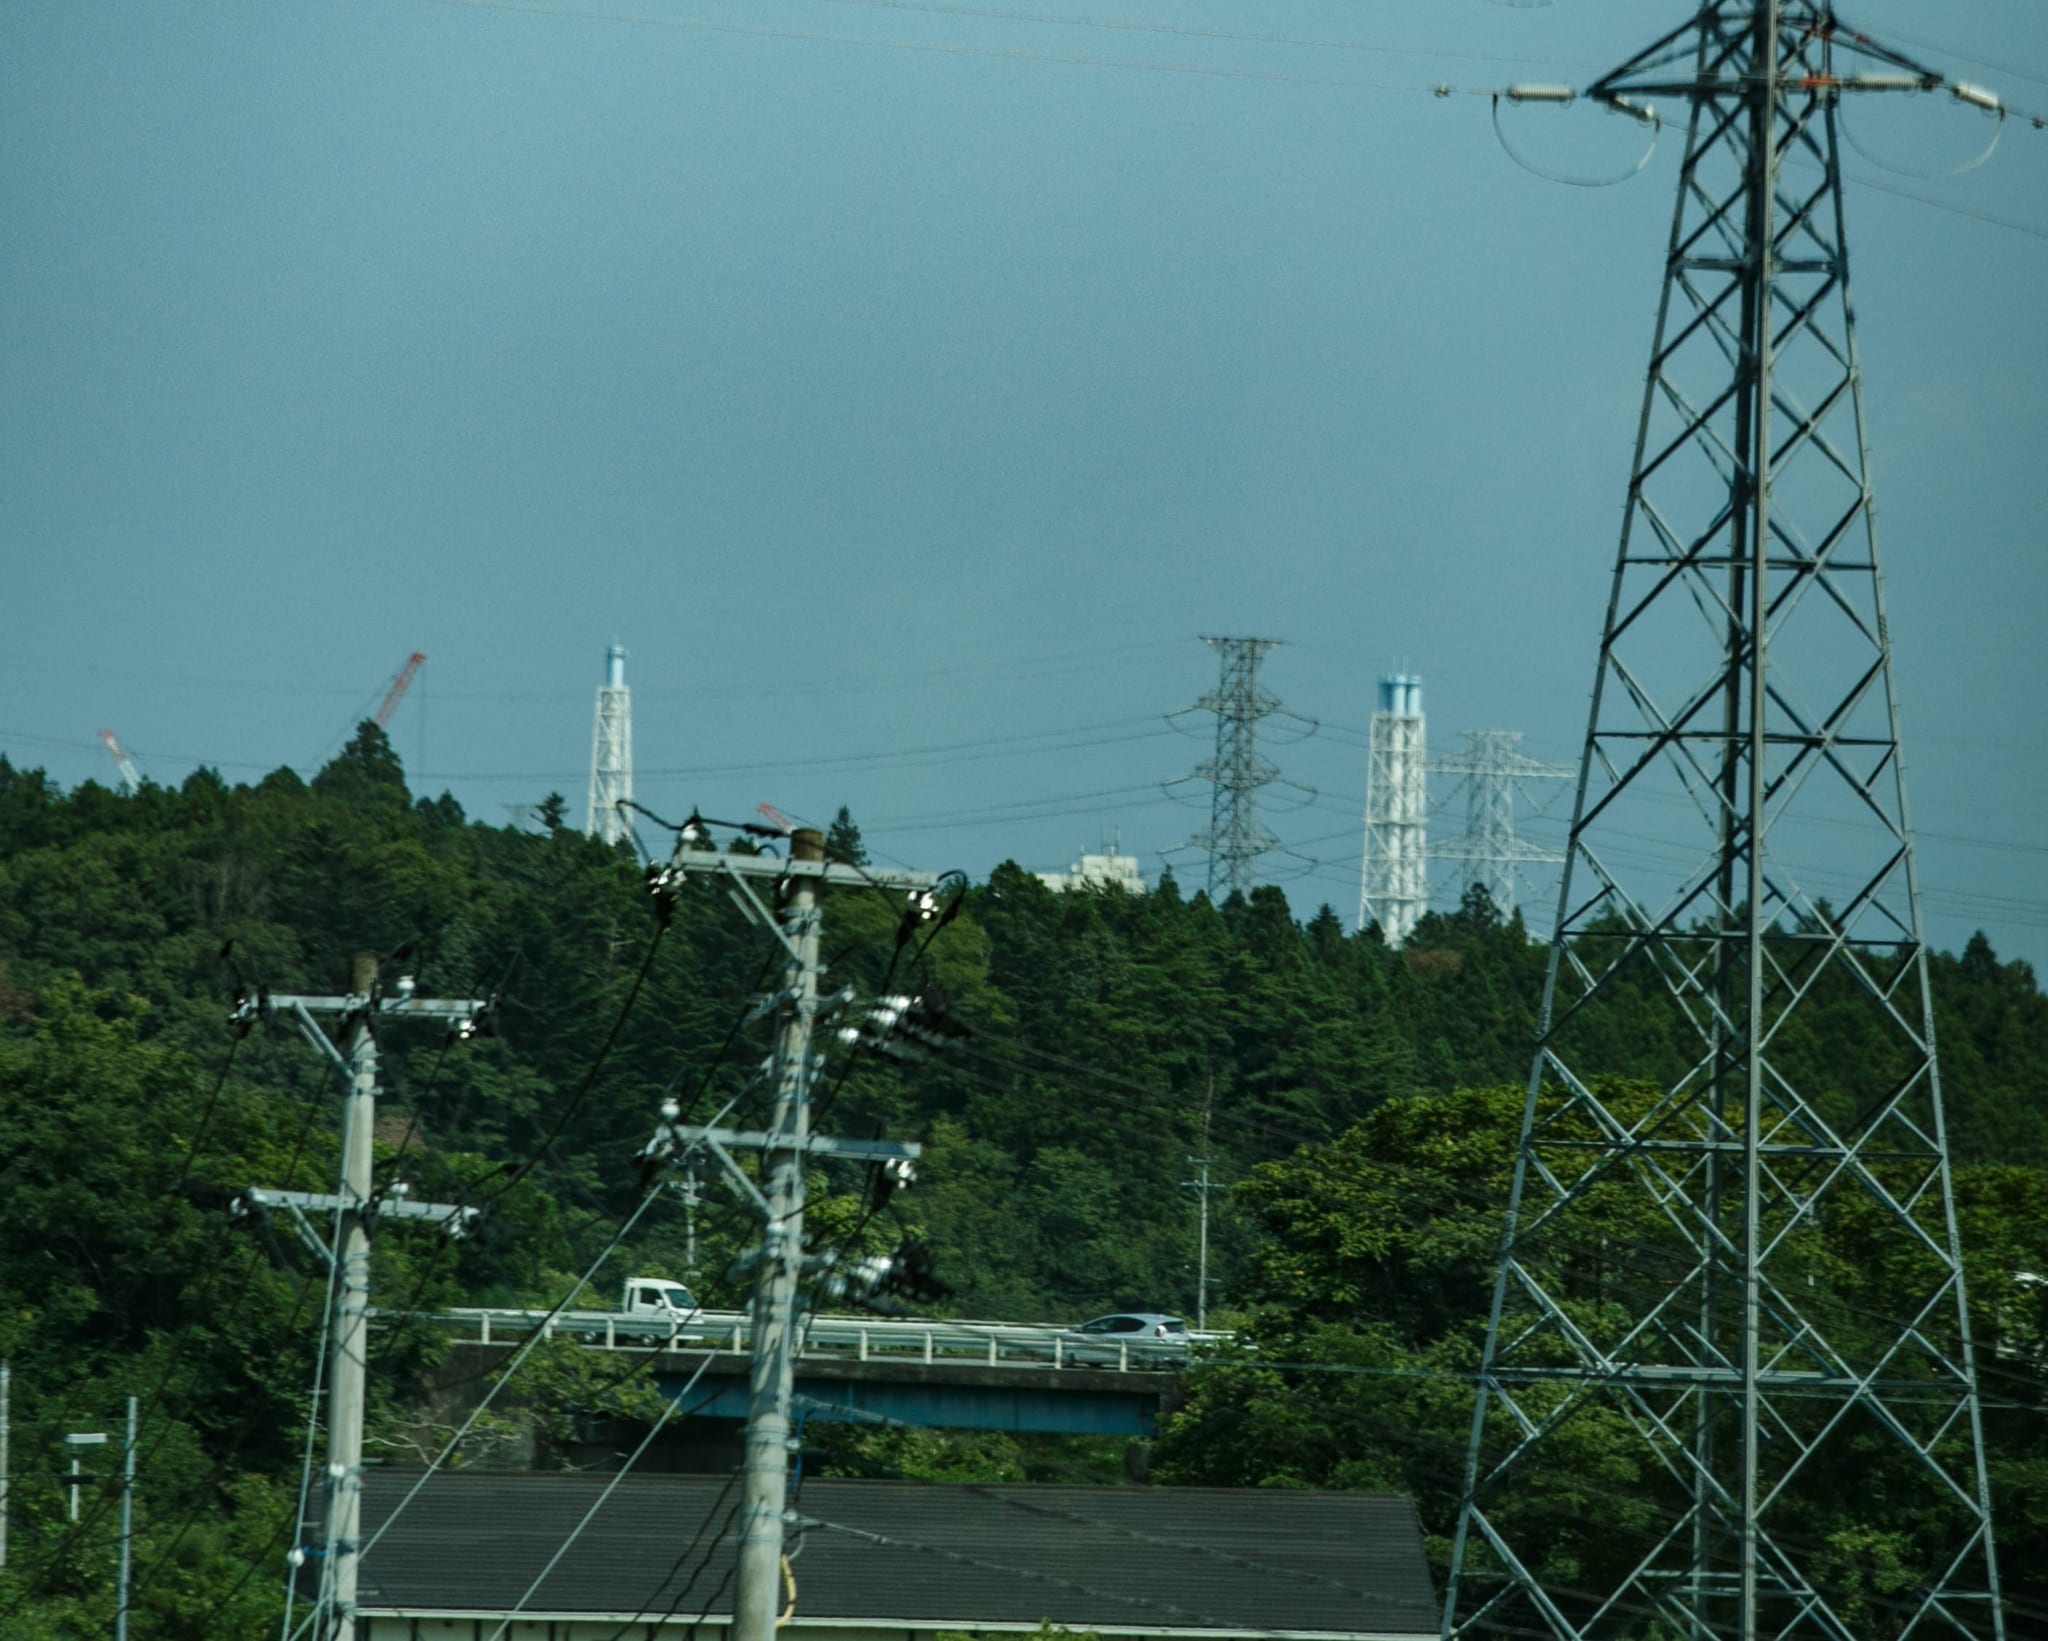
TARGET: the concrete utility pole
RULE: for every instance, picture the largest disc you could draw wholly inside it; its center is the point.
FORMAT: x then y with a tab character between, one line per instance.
772	1377
127	1526
6	1386
1201	1186
347	1372
786	1146
358	1208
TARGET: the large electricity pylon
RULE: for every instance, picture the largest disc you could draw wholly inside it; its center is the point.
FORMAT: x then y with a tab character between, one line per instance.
1748	1269
1492	768
1234	840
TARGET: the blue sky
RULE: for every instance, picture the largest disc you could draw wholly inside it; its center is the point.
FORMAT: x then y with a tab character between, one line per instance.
898	377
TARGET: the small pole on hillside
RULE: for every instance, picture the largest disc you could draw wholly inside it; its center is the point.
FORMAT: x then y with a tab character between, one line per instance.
127	1526
6	1385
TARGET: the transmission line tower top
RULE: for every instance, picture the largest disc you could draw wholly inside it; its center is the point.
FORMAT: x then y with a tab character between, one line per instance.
1234	840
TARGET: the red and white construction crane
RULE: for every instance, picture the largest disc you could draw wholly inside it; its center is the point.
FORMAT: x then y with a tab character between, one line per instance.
131	777
396	692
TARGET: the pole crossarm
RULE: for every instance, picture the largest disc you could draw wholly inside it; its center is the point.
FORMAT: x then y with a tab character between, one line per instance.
816	1145
1746	1275
390	1206
774	869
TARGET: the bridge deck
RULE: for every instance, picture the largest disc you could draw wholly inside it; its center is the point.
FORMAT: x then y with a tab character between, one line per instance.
865	1370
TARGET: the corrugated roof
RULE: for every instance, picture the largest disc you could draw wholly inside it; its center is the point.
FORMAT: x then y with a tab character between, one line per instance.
1234	1560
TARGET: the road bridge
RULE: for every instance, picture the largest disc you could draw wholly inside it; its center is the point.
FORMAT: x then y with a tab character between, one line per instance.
864	1369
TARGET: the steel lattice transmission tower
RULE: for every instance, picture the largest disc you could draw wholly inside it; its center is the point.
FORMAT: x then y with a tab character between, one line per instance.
1234	839
611	754
1749	1270
1492	768
1394	887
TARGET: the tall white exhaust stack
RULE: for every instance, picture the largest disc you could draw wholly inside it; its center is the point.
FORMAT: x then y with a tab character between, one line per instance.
611	753
1394	886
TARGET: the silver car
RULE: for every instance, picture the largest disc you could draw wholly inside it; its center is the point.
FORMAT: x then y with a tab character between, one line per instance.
1128	1339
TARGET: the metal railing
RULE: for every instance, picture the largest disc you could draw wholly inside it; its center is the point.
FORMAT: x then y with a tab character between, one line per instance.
842	1338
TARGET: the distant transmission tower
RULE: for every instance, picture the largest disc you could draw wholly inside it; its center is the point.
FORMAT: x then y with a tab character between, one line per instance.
611	753
1492	768
1234	839
1749	1269
1394	887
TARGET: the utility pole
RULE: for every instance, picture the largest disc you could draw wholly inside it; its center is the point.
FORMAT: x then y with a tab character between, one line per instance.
358	1208
127	1526
6	1387
693	1199
772	1373
348	1368
786	1145
1743	696
1201	1186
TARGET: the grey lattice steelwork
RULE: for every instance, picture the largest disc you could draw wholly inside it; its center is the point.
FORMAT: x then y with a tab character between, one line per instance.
1234	839
1745	1278
1492	768
1394	885
611	754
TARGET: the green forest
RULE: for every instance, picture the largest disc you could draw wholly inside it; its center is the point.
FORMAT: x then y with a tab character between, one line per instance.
1360	1105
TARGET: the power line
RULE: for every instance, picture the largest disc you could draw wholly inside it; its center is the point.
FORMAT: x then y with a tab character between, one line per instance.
33	1585
954	49
540	1332
668	1409
1192	32
1965	57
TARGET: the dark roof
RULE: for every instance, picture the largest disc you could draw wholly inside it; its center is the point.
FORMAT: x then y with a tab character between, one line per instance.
1110	1558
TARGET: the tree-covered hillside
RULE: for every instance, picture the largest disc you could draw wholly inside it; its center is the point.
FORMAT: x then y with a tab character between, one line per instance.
1361	1102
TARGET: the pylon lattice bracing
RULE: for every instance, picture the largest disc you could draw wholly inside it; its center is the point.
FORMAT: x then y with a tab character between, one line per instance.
1234	838
611	754
1492	767
1746	1275
1394	891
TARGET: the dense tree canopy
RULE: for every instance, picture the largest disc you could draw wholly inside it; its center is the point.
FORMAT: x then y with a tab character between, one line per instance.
1363	1102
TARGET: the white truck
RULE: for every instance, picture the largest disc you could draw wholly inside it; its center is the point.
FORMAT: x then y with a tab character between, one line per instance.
659	1298
650	1307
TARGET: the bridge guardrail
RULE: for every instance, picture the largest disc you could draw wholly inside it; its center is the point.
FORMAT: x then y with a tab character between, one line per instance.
856	1338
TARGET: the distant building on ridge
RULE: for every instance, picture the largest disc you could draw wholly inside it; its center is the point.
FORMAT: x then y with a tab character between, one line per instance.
1103	871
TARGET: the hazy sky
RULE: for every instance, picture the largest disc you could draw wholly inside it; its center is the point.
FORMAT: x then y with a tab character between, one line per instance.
891	377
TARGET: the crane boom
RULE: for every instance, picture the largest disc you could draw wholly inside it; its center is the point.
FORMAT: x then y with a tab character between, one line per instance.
131	777
396	692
